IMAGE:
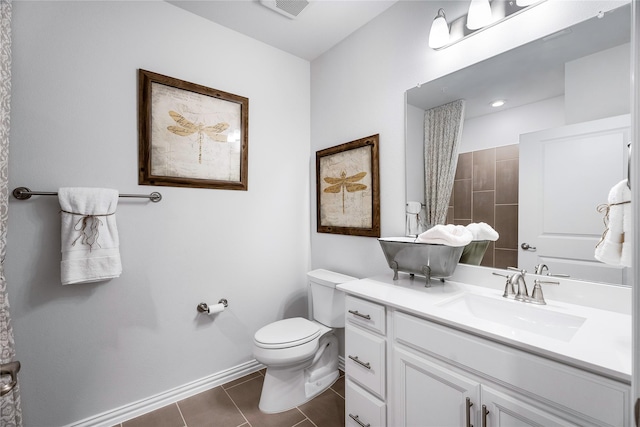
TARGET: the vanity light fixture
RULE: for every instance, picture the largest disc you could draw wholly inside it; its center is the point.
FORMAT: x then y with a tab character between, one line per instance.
482	14
479	14
439	34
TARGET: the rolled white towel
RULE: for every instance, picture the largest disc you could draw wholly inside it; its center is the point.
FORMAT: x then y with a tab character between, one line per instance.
483	231
449	235
615	246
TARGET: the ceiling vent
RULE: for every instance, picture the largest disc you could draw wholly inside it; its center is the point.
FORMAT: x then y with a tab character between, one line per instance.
289	8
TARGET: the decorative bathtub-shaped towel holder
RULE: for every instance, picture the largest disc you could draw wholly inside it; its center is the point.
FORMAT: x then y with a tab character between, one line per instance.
473	253
429	260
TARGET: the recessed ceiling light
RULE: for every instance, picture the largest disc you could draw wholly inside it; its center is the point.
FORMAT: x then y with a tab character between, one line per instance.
498	103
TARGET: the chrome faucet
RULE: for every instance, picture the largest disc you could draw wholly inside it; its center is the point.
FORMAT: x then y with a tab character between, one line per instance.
513	280
517	279
516	286
540	268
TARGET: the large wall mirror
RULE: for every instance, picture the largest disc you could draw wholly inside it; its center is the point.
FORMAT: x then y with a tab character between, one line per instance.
537	168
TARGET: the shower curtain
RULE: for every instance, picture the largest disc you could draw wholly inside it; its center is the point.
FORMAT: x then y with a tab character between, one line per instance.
10	411
442	133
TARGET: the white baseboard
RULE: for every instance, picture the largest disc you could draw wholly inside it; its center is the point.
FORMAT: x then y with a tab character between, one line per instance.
141	407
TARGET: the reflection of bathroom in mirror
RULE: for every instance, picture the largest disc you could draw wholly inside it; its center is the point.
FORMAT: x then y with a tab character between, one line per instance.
536	168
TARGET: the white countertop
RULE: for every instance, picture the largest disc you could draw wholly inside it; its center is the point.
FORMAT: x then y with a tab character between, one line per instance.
602	344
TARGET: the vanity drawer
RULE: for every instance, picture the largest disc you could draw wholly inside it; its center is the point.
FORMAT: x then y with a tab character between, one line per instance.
365	360
362	408
366	314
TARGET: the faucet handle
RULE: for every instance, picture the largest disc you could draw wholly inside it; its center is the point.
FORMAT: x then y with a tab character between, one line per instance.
547	282
523	271
536	295
508	287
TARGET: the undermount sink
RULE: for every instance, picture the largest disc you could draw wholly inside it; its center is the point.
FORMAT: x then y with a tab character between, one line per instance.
518	315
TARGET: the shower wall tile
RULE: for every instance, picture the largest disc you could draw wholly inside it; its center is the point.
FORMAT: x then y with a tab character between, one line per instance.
508	152
484	207
507	181
507	226
462	199
464	169
484	169
505	258
486	190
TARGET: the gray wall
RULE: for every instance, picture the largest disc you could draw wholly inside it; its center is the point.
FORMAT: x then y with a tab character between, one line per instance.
86	349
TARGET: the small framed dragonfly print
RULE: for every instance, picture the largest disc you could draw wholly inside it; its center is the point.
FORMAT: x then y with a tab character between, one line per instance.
348	188
191	135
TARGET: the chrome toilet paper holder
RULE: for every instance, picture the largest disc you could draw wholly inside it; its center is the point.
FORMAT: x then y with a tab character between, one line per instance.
203	307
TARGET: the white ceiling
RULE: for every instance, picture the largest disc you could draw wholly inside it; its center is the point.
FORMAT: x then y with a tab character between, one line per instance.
320	26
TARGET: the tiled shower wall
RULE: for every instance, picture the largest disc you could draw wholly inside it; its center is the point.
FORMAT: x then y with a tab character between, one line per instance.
486	190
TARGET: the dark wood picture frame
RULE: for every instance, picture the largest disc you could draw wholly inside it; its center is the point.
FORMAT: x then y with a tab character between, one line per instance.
348	188
191	135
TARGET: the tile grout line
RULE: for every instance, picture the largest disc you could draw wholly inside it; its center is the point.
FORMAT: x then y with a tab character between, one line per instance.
243	382
184	422
234	404
330	388
305	419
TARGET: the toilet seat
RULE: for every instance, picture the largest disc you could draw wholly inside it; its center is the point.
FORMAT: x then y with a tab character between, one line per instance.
287	333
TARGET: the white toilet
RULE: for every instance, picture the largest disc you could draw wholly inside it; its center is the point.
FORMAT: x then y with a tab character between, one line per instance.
302	355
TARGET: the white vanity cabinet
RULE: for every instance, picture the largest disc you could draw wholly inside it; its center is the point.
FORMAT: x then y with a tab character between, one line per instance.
431	394
444	377
365	363
406	371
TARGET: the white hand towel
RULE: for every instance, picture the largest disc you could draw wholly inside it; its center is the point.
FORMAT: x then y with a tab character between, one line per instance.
449	235
483	231
89	238
615	246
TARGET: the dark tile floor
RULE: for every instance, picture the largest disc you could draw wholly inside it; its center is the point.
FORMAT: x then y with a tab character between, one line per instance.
235	404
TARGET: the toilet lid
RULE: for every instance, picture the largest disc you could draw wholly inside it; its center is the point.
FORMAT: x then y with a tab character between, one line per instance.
287	333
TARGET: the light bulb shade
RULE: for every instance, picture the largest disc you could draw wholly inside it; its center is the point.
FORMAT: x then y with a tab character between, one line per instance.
439	34
479	14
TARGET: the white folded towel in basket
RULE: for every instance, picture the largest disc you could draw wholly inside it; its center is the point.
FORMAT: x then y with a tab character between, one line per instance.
482	231
449	235
89	235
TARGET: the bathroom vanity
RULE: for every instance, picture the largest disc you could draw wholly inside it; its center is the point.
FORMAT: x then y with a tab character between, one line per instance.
455	354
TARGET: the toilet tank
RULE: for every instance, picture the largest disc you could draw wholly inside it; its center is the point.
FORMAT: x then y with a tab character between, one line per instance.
327	301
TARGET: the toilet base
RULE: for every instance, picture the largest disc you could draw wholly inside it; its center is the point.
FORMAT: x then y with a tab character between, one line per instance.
288	387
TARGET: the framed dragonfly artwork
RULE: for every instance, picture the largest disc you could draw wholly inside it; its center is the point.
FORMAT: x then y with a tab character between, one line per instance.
191	135
348	188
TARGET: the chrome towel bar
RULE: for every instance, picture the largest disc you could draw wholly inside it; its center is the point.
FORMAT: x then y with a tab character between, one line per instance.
23	193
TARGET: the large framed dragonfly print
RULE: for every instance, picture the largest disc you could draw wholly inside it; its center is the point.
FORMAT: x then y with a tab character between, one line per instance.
348	188
191	135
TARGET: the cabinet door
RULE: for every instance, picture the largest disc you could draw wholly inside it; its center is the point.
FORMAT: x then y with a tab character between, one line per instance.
429	395
513	411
